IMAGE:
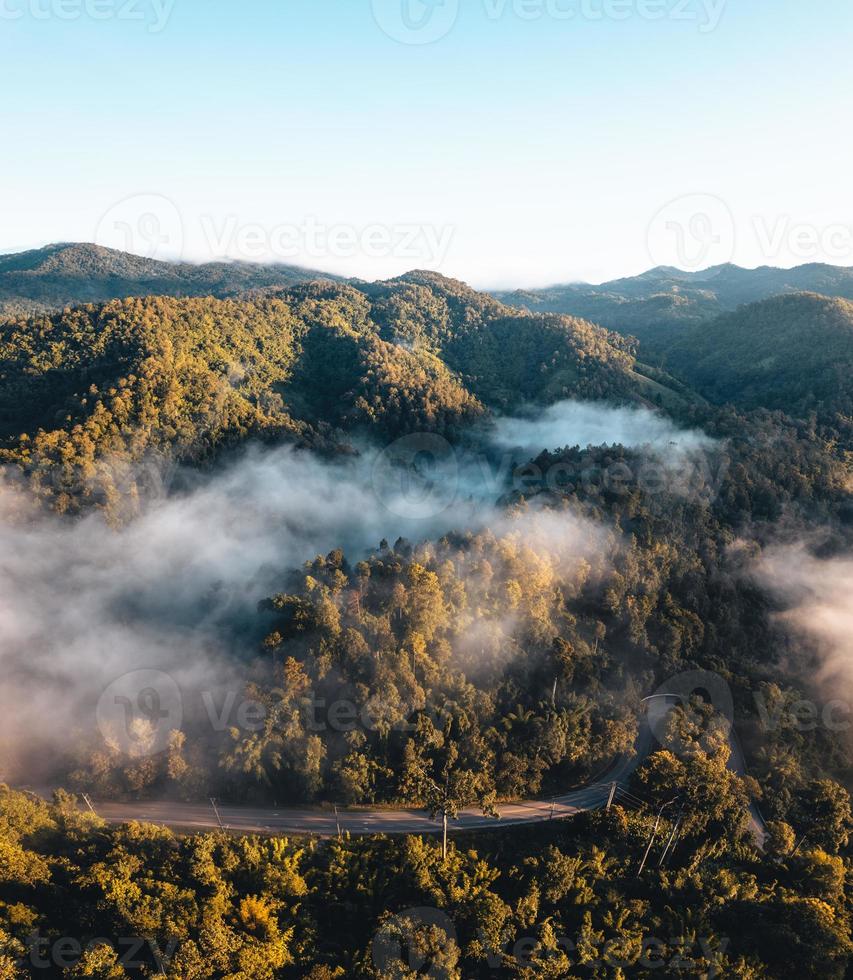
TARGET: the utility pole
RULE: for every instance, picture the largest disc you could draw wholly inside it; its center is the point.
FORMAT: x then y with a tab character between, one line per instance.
613	786
218	818
554	694
338	823
444	817
802	841
652	838
669	843
88	803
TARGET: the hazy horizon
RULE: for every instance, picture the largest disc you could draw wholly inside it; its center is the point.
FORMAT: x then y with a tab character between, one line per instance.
508	143
483	286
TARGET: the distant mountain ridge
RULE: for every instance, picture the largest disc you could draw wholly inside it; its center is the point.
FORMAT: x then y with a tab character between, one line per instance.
653	306
62	275
657	305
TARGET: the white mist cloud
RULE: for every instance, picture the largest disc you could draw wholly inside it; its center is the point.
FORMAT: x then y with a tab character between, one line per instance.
177	589
818	594
573	423
82	604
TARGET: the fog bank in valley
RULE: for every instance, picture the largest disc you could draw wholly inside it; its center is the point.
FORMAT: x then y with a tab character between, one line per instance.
573	423
177	588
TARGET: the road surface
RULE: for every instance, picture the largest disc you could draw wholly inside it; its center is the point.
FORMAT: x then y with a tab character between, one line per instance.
286	821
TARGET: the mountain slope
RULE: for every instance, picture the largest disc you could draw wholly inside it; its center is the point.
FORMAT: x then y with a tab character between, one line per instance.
793	353
64	275
506	356
89	393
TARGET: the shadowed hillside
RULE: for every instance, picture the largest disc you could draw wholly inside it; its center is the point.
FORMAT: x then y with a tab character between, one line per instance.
793	353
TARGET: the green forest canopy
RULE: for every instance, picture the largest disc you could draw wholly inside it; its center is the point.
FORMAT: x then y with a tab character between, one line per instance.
493	661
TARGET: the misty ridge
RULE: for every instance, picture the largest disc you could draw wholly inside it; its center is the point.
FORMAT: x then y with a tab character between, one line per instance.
424	474
177	589
668	459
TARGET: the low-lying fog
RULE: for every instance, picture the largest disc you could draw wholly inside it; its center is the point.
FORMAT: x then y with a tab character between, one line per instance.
177	589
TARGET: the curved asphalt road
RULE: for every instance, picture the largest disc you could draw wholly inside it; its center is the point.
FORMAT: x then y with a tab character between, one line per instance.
326	823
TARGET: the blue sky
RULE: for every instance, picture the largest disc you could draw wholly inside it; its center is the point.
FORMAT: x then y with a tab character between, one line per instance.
520	147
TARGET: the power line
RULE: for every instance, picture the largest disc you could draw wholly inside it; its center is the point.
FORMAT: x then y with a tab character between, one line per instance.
669	843
654	834
629	799
632	796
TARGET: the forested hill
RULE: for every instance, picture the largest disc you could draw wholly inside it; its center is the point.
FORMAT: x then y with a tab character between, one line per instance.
316	363
56	276
503	655
792	353
657	305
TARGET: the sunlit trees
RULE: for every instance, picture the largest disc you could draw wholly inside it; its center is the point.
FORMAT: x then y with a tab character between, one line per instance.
436	774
